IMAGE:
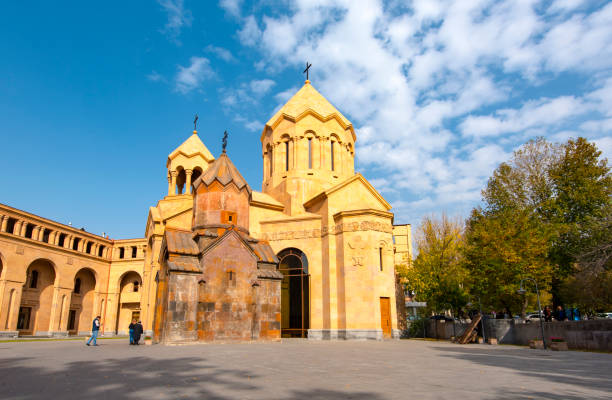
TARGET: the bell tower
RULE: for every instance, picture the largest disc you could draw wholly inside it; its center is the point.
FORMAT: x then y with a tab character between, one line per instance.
186	163
307	147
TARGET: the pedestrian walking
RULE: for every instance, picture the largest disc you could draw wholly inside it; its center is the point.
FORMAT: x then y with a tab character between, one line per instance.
95	328
138	330
132	327
548	315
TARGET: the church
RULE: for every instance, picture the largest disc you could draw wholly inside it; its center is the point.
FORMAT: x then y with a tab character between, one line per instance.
311	255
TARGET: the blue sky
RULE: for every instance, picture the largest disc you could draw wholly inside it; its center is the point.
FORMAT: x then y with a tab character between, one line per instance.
93	99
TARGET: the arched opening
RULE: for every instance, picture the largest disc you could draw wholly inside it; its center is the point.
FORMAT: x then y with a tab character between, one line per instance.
29	231
37	298
129	301
181	178
270	161
1	266
295	293
75	243
82	307
197	172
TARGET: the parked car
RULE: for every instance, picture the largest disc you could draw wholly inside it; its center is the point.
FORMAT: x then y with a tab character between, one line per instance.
604	315
533	317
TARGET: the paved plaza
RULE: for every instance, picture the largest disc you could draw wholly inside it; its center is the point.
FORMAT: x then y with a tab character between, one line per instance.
298	369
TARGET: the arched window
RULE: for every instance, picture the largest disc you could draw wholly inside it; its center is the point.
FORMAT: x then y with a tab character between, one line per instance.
136	286
34	279
332	155
77	286
309	153
380	257
270	164
287	156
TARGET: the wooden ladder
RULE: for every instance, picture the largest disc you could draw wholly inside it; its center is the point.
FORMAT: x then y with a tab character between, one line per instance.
468	334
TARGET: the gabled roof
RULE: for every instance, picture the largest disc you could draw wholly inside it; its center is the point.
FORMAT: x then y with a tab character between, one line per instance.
357	177
261	250
191	147
181	242
224	171
308	101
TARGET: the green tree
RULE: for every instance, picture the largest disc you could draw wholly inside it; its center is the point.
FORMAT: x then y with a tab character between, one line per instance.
501	249
538	213
581	197
437	275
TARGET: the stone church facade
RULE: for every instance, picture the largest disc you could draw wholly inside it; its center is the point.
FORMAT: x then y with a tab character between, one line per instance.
311	255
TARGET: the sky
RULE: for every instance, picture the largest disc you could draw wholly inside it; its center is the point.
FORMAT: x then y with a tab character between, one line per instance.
94	96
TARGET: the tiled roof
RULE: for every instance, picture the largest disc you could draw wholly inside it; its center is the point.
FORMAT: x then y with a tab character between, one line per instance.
264	252
181	242
186	264
224	171
270	274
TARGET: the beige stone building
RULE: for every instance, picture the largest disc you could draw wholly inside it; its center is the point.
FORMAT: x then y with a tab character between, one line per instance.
330	229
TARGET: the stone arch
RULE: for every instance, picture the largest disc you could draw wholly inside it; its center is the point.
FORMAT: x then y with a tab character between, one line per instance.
181	179
197	172
82	303
128	304
295	293
286	148
37	297
312	149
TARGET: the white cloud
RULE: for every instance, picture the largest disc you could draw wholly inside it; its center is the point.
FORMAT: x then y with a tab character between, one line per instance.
178	17
221	52
441	91
250	34
191	77
254	126
262	86
531	114
155	77
232	7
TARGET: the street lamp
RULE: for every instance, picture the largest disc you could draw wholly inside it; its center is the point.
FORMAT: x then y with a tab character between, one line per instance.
523	291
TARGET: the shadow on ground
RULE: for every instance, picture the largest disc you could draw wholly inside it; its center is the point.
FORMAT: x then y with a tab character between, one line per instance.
569	368
148	378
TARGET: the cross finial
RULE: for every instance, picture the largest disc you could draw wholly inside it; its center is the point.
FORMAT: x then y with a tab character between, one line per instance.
195	123
224	140
306	70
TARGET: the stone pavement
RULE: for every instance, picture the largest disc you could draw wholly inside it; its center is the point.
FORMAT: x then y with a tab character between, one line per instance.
297	369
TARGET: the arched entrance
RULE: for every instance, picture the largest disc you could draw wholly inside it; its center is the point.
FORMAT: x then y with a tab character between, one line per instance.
37	298
81	311
295	293
130	289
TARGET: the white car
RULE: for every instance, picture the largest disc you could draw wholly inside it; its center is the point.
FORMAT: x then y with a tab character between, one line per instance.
605	315
533	317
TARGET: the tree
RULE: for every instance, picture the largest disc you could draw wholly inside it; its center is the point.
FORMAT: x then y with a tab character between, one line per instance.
501	249
582	186
437	275
539	208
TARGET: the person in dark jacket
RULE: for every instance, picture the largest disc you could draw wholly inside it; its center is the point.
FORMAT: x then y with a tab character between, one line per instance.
132	327
138	330
95	328
548	315
560	314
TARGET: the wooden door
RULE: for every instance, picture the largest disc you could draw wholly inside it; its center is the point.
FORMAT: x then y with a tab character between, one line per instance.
385	316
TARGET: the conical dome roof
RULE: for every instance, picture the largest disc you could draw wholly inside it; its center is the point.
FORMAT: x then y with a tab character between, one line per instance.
308	99
191	147
224	171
